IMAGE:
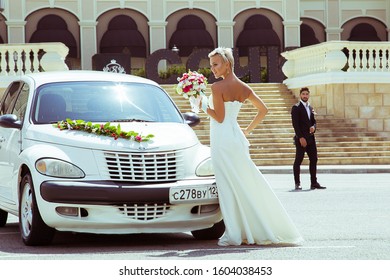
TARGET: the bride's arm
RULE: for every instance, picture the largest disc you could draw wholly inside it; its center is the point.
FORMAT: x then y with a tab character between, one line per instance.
262	110
218	113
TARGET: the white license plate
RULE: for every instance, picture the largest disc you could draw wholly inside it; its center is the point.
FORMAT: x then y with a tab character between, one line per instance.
193	193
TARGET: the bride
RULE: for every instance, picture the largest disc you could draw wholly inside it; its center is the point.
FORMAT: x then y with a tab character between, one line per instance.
251	211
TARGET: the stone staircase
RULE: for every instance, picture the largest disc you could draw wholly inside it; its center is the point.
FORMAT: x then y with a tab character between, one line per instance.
339	141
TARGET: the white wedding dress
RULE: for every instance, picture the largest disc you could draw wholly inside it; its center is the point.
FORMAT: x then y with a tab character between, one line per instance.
251	211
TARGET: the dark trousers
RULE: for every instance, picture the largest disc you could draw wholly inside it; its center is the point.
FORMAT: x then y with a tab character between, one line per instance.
311	150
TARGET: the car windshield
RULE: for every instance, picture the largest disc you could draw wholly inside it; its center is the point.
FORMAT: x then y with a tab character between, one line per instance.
103	102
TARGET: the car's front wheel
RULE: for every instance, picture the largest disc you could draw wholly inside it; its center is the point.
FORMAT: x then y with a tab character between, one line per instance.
3	218
212	233
33	229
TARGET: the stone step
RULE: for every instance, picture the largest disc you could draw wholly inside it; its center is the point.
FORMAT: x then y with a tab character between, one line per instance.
325	161
267	136
255	153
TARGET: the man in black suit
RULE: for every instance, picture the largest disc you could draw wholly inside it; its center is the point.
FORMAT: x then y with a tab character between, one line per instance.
304	123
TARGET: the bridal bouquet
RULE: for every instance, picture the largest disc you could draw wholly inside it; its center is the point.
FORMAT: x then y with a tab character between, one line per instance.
192	86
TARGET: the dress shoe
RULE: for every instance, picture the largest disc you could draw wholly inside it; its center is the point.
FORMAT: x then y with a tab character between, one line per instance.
298	187
317	186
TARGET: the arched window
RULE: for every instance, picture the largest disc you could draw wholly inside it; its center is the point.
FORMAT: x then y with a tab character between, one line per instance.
257	32
308	37
364	32
53	28
191	33
123	36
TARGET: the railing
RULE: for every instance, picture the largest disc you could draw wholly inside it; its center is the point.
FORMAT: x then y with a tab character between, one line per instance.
17	59
337	56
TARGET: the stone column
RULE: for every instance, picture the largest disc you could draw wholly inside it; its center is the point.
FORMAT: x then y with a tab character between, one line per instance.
333	34
16	31
292	23
333	31
292	33
158	37
88	43
158	40
225	34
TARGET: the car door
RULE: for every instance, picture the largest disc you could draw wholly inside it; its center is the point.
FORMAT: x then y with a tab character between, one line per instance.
14	102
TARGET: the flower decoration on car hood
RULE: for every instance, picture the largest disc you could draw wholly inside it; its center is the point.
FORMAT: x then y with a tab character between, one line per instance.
102	129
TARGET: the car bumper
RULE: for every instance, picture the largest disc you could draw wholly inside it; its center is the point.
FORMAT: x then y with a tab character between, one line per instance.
112	207
109	192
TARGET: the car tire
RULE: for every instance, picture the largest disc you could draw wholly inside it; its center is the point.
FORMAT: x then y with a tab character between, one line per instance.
212	233
33	229
3	218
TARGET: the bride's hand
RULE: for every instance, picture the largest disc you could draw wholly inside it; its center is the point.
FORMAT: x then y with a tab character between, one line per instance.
204	104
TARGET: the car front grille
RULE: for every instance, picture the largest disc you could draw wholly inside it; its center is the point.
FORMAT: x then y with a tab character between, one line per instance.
144	167
144	212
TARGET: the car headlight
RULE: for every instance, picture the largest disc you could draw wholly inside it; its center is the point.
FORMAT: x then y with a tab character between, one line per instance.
58	168
205	168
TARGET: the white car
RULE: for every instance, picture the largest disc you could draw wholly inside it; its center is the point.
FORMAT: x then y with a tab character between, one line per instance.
98	152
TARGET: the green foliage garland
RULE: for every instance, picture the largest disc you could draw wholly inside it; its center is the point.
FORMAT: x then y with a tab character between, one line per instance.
102	129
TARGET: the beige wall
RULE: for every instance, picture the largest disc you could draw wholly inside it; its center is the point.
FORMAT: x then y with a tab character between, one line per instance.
332	19
367	105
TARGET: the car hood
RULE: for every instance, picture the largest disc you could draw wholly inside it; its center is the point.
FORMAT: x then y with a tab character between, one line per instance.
167	136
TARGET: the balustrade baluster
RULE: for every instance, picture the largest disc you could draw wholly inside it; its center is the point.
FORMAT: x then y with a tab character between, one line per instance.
3	64
18	59
351	61
27	61
364	60
378	60
12	62
35	52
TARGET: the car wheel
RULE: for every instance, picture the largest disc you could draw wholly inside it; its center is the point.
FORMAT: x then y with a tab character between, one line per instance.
212	233
32	228
3	218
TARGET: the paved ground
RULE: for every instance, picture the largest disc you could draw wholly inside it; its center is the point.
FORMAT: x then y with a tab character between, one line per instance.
348	222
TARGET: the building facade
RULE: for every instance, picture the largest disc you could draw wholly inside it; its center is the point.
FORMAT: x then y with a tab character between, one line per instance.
139	28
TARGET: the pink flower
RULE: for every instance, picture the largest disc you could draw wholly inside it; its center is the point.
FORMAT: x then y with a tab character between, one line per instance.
138	138
187	88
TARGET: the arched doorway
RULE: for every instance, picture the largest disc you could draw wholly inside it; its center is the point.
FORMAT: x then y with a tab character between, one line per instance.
190	34
257	32
53	28
123	36
363	32
364	29
308	37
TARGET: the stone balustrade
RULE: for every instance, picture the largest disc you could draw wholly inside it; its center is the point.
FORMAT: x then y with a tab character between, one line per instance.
337	56
18	59
349	80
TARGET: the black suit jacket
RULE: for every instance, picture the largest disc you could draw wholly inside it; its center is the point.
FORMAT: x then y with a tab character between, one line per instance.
302	123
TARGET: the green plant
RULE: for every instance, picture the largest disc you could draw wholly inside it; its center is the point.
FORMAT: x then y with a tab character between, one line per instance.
176	69
205	72
263	76
139	72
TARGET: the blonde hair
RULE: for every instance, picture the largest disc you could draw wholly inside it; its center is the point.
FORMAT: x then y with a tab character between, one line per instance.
225	53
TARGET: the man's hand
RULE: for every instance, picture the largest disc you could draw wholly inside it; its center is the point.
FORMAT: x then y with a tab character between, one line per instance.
303	142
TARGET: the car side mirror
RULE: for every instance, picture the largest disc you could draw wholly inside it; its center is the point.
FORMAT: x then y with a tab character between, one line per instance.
191	119
10	121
